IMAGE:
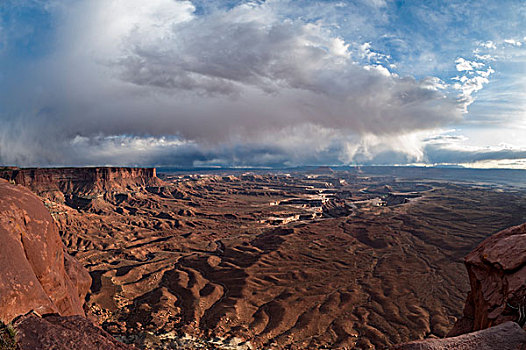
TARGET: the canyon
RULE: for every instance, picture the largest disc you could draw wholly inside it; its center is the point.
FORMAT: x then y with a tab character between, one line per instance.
288	260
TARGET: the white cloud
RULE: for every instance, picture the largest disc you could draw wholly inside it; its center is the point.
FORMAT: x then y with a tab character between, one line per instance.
473	80
434	83
484	57
366	52
470	85
465	65
339	48
486	73
513	42
377	3
108	25
378	68
489	45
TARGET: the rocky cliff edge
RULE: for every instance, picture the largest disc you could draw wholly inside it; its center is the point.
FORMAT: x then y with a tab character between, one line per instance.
495	309
42	288
35	272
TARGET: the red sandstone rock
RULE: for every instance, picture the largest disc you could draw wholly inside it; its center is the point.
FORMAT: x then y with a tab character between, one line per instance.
341	282
497	274
53	183
35	272
62	333
506	336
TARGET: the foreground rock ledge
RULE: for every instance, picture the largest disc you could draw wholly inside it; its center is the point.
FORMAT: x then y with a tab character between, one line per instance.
495	309
62	333
38	278
497	275
506	336
35	272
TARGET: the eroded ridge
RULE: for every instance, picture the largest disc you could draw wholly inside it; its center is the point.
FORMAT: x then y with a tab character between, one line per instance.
305	260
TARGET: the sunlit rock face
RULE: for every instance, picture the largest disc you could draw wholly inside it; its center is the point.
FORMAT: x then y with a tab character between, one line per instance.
35	272
81	181
42	288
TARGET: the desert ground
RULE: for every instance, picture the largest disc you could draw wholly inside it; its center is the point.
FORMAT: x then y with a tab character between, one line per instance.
306	260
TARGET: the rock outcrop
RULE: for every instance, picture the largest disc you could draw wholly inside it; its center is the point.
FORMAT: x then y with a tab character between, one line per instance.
497	274
35	272
495	309
37	277
62	333
506	336
53	183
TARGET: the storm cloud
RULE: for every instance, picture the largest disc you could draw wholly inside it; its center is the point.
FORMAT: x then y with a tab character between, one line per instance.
133	82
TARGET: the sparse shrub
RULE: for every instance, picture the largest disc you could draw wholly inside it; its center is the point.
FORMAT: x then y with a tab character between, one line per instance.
7	337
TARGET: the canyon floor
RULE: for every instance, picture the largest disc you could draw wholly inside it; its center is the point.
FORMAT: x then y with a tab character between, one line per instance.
307	260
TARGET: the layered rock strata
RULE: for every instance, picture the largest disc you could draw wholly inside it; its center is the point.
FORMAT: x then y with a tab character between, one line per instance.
85	183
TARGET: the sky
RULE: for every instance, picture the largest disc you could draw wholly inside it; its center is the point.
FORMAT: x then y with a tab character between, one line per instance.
276	83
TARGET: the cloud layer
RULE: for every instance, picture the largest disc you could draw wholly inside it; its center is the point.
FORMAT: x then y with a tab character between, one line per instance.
134	82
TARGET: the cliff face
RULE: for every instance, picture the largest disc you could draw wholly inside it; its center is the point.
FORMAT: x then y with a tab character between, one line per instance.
82	187
35	272
81	180
42	288
497	274
495	310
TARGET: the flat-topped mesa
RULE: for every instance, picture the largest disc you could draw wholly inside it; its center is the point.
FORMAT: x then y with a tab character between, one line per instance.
85	181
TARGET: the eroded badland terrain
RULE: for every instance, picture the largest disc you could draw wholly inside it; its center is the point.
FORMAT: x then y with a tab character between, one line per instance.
307	260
